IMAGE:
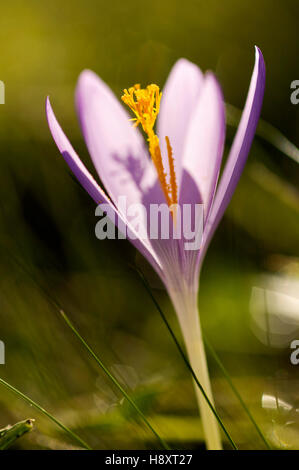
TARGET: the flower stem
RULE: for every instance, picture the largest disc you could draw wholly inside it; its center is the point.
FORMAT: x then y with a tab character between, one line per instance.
185	359
196	352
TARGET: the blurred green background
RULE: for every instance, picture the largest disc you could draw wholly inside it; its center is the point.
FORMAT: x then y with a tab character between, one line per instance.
251	273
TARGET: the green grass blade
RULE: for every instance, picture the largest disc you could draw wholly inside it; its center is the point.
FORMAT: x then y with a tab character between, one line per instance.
46	413
234	389
113	379
57	306
184	357
10	434
266	131
216	358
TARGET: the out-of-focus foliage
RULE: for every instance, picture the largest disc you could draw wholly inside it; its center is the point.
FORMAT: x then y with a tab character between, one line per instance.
47	224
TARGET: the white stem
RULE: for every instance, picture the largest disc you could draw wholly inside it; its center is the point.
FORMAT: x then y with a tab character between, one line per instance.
191	329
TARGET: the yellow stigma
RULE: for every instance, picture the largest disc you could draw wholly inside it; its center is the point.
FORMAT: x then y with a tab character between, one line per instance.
145	104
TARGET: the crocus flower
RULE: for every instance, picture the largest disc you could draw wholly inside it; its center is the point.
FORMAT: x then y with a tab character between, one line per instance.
183	167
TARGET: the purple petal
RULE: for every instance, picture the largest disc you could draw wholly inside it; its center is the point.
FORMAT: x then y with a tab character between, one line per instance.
72	159
89	183
115	146
204	146
239	150
179	97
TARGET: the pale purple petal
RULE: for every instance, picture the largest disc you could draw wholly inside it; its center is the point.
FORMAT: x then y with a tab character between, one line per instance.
204	146
90	185
179	97
239	150
116	148
72	159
